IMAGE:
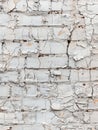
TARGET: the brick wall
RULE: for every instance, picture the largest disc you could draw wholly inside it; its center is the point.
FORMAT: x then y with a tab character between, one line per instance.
48	64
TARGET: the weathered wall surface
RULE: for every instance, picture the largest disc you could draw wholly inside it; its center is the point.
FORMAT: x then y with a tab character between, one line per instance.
48	64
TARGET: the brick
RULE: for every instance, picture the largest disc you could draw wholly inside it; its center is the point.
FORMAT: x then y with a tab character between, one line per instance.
94	62
33	5
28	47
83	89
21	5
83	63
78	34
6	33
4	19
31	90
65	90
64	19
1	117
53	62
84	75
48	90
42	33
5	90
17	90
22	34
44	117
15	63
79	52
9	5
56	5
11	48
9	77
45	5
53	47
37	76
32	62
38	104
56	107
30	127
63	77
95	29
95	20
73	75
94	75
95	94
94	117
61	33
28	118
93	8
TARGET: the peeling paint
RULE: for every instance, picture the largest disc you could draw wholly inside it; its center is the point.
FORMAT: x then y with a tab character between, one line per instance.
48	65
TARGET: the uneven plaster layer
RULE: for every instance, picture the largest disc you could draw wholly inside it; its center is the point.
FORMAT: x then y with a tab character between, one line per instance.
48	64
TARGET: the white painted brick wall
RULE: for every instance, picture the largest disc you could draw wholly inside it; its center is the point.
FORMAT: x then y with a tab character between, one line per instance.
48	64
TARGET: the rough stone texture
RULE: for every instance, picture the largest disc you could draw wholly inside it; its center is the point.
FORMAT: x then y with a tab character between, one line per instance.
48	64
